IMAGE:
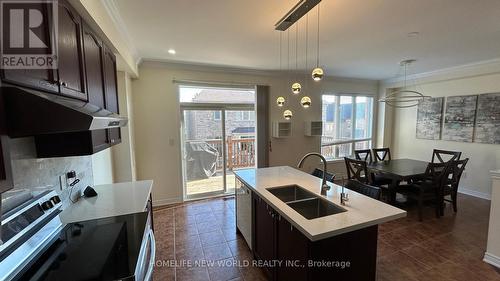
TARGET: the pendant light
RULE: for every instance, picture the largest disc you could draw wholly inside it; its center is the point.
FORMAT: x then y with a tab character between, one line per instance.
296	87
287	114
306	101
404	97
317	73
280	101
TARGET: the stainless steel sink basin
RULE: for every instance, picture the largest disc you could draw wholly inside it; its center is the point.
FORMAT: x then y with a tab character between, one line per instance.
315	208
289	193
304	202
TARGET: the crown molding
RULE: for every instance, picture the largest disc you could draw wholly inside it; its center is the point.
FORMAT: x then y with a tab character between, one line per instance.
119	23
205	67
462	71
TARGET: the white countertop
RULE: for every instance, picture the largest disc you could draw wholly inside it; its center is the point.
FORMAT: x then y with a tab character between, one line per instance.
112	200
362	211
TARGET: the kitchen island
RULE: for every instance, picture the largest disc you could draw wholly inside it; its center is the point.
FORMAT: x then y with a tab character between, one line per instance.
298	234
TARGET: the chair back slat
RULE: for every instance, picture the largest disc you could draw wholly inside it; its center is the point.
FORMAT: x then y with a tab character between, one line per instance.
319	173
442	156
357	169
365	189
457	168
382	154
363	154
438	173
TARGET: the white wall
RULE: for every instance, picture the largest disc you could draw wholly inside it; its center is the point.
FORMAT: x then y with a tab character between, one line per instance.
124	153
476	179
157	119
102	167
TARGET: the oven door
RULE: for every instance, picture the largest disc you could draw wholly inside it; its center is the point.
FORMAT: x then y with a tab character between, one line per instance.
146	261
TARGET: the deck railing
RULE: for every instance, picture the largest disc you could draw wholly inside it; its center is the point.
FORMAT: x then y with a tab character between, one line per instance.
240	152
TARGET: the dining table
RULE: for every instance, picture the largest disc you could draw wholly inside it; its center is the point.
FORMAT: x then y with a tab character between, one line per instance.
398	170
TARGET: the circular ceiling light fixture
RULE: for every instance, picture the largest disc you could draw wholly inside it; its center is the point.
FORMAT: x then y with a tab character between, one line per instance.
280	101
287	114
305	102
171	51
404	97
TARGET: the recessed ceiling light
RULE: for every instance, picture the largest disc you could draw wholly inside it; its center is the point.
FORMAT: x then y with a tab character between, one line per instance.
171	51
413	34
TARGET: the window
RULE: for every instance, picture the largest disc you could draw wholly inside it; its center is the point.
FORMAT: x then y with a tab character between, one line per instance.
347	124
245	115
217	115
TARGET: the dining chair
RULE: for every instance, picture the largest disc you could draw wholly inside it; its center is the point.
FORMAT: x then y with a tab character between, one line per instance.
363	154
363	188
441	156
381	154
319	173
357	170
451	189
430	189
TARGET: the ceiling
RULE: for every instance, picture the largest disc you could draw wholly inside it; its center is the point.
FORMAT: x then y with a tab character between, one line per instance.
359	38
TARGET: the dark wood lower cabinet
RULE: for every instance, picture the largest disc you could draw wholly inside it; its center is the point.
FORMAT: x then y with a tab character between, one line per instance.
291	256
265	234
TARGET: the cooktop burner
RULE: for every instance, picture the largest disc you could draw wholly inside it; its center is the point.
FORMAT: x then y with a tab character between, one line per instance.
102	249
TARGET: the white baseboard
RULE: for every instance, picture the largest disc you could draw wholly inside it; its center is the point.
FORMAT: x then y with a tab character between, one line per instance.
168	201
491	259
474	193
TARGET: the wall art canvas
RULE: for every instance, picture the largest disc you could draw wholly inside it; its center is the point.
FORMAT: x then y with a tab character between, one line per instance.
488	119
429	118
459	118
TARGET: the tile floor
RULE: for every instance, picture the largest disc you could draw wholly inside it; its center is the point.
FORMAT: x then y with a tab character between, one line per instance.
444	249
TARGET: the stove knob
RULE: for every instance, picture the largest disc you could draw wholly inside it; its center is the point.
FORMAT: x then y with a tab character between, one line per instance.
55	199
47	205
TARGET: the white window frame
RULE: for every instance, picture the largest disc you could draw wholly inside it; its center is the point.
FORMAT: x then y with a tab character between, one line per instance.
352	141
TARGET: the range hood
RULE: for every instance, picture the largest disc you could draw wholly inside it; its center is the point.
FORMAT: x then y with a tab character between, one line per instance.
31	113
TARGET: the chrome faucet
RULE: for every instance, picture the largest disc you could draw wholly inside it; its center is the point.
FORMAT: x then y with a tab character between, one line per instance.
324	187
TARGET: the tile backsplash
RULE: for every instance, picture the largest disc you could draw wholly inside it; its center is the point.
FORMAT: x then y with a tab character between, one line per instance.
39	174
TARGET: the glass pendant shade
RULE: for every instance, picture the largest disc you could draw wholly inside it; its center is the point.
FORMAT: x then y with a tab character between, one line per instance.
287	114
317	74
305	102
280	101
296	88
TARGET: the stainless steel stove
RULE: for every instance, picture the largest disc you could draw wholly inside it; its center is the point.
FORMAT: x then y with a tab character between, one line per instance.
38	246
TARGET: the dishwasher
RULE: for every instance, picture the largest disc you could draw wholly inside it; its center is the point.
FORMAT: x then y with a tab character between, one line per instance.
244	211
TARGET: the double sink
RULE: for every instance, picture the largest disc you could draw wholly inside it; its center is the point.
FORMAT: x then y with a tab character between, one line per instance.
304	202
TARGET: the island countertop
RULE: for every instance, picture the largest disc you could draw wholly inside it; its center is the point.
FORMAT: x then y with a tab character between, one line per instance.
362	211
112	200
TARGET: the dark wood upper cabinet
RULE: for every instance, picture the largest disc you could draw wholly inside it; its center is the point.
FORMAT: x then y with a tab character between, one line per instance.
43	79
111	91
94	72
70	48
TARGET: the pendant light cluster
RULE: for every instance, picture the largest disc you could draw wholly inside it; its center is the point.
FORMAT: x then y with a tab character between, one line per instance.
317	73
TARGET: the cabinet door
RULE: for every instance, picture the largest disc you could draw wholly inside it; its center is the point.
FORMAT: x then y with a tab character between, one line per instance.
292	246
3	175
111	91
94	72
5	168
264	229
70	61
40	79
